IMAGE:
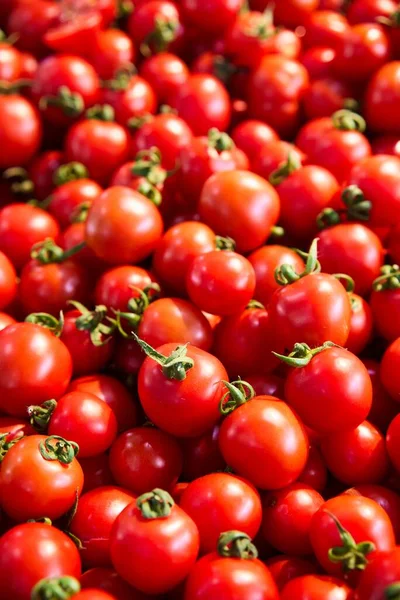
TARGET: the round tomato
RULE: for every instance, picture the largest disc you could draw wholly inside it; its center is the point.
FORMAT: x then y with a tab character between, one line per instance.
20	131
316	587
386	498
165	73
66	199
251	135
136	99
117	286
361	324
8	281
201	455
381	576
285	568
382	98
389	369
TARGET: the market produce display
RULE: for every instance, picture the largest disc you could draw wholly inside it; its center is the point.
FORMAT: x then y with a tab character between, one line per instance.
199	300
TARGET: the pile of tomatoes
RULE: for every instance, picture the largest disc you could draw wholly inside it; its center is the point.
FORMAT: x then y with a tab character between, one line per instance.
200	300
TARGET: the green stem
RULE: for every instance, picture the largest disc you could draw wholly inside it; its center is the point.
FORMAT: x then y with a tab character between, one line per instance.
346	120
71	103
69	172
357	206
156	504
40	415
346	280
352	556
224	243
328	217
302	354
8	440
48	321
92	322
285	169
101	112
47	252
392	592
285	274
219	140
57	448
56	588
174	366
239	392
389	279
236	544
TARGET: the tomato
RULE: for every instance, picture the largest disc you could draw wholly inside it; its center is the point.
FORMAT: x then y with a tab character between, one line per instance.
325	28
211	17
156	26
380	576
165	72
145	458
202	102
93	594
116	286
123	226
5	320
93	520
332	407
287	514
389	368
318	61
263	431
275	90
10	62
274	154
392	442
193	382
326	96
37	463
35	366
130	101
201	455
15	425
67	198
47	551
42	169
108	580
233	570
386	498
20	131
30	20
356	248
366	11
74	29
382	98
284	568
241	205
266	384
73	236
112	50
8	281
316	587
96	471
157	532
383	408
251	135
385	304
366	523
361	324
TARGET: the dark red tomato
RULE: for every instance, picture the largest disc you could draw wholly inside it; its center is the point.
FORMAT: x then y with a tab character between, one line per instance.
8	281
382	99
49	287
210	16
74	235
168	539
93	520
96	472
361	324
30	20
325	96
392	442
186	407
112	50
67	198
266	384
366	11
287	515
316	587
133	101
385	305
123	226
33	465
241	205
356	455
165	72
386	144
174	320
221	282
383	408
47	550
325	28
168	133
220	502
381	575
176	250
35	366
314	473
65	71
85	419
155	26
145	458
386	498
117	286
285	568
113	393
109	581
251	135
332	407
5	320
378	178
101	146
275	90
264	431
273	155
333	148
10	62
318	61
243	343
355	248
20	131
201	455
14	425
41	171
363	518
202	102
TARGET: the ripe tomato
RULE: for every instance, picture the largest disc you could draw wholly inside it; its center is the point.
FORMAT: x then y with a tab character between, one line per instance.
165	72
96	471
386	144
284	568
386	498
115	287
10	63
361	324
385	304
155	26
392	443
325	28
145	458
383	408
295	12
30	20
316	587
274	154
201	455
112	51
382	98
20	131
67	198
154	527
130	101
381	575
389	368
366	11
48	551
93	520
8	281
314	473
108	580
326	96
5	320
33	464
41	171
251	135
318	61
210	16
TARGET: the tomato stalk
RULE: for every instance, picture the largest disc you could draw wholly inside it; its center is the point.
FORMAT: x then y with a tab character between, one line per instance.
302	354
40	415
173	366
285	169
164	33
7	441
239	392
236	544
346	120
57	448
285	274
392	592
224	243
48	321
101	112
155	504
351	555
136	308
20	184
92	321
56	588
219	140
389	279
69	172
47	252
71	103
357	206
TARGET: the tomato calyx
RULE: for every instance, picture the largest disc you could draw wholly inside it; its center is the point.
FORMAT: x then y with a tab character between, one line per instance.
47	252
56	588
164	33
328	217
347	120
40	415
57	448
71	103
302	354
124	9
8	440
285	169
236	544
92	321
156	504
219	140
101	112
14	87
351	555
136	307
239	392
389	279
174	366
224	243
392	20
255	304
392	592
48	321
223	69
346	280
69	172
121	79
19	181
358	207
285	274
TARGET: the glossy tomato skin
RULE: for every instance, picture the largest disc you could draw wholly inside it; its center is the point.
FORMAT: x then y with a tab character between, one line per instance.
21	131
8	281
385	309
210	16
284	568
74	235
201	455
48	551
313	309
25	473
386	144
145	458
382	98
200	392
67	198
325	96
135	100
256	434
250	136
379	575
109	581
315	472
361	324
241	205
30	20
273	154
92	523
213	576
112	50
10	62
385	497
220	282
123	226
35	366
389	368
14	425
171	542
220	502
362	517
316	587
318	61
384	408
334	407
116	286
165	72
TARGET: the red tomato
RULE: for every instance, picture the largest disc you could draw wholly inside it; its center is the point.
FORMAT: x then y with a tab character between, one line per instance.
385	305
295	12
145	458
318	61
73	236
251	135
325	28
109	581
5	320
67	198
386	144
386	498
165	73
116	287
316	587
133	101
366	11
112	50
30	20
48	551
14	425
42	169
75	29
8	281
285	568
96	471
381	575
361	324
201	455
382	99
34	464
155	26
210	16
392	442
383	408
325	96
20	131
93	520
389	369
314	473
10	62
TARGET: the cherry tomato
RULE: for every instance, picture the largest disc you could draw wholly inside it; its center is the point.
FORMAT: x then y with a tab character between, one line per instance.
316	587
201	455
134	100
165	72
116	286
392	442
284	568
388	370
325	96
108	580
155	26
386	498
5	320
314	473
381	575
251	135
274	154
20	131
366	11
386	144
112	50
14	425
361	324
293	14
210	16
42	169
30	20
382	98
67	198
73	236
74	29
318	61
10	62
325	28
383	408
8	281
96	471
